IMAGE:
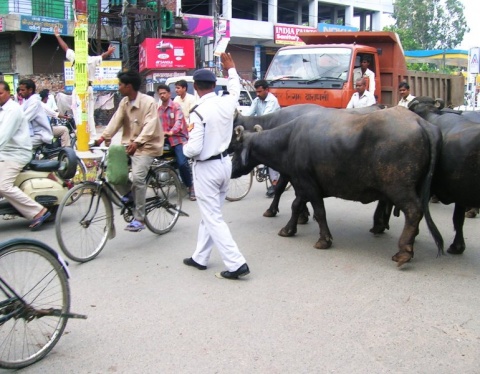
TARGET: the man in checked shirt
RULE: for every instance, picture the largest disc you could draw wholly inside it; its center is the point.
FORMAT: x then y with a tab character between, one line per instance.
175	129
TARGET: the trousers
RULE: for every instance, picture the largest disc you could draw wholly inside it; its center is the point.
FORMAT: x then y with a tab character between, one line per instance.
27	207
211	180
183	166
140	166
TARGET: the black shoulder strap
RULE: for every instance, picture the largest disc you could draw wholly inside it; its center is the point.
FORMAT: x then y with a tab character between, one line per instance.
193	110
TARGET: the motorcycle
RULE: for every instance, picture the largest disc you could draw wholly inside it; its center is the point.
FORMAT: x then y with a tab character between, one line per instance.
45	181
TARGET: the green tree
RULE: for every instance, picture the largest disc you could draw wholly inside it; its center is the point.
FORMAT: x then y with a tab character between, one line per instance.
429	24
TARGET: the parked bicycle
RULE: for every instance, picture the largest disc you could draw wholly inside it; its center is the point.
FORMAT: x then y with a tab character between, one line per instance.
85	220
34	301
240	187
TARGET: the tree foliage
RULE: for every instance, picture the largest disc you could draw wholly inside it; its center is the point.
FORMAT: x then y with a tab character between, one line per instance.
429	24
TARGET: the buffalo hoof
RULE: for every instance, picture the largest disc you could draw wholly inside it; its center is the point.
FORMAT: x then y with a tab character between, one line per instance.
323	244
456	249
379	229
287	232
270	213
402	257
472	213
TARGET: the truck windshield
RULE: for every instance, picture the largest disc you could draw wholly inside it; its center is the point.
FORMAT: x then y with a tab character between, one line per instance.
310	64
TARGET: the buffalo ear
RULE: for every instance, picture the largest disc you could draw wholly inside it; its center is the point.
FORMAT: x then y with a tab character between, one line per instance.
439	104
257	128
239	132
412	104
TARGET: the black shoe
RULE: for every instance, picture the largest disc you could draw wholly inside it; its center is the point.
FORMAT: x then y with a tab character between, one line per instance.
191	262
240	272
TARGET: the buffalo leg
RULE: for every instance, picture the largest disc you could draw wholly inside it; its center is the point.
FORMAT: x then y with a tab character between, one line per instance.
413	214
381	217
291	228
279	190
458	245
320	215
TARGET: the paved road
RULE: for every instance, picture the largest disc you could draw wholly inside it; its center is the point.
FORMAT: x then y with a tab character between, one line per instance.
344	310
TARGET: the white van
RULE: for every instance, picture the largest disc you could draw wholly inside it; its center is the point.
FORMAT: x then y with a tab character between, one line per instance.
244	101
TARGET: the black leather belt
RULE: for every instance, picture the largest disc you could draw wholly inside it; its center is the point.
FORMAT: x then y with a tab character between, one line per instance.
217	157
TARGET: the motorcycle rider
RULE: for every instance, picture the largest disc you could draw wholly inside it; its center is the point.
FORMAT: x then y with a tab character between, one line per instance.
40	129
59	131
15	153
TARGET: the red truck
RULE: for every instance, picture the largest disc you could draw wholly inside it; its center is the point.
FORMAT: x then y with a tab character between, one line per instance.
321	72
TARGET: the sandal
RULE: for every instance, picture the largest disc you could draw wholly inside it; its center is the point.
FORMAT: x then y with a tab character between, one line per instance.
37	222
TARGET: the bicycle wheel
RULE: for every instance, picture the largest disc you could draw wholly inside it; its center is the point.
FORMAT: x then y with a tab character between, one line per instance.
238	188
84	222
164	199
38	278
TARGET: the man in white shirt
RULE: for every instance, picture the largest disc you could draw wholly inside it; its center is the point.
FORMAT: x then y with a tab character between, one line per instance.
60	132
362	98
405	96
210	136
15	153
185	99
265	103
364	71
40	129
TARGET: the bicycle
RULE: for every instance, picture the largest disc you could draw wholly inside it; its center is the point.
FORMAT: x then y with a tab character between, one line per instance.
85	221
240	187
34	301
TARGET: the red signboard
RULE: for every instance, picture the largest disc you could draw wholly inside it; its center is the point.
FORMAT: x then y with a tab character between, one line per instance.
287	34
167	54
1	24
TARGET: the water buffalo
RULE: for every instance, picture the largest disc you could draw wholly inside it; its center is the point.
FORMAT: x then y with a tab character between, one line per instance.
279	117
457	177
388	154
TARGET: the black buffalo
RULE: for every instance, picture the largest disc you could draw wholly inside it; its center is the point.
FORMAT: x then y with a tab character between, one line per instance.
388	154
282	116
457	177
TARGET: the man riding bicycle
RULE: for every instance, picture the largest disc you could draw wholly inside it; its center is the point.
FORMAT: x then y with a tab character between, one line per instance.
142	133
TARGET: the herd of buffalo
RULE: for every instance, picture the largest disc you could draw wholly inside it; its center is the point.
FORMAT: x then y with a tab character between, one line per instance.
399	157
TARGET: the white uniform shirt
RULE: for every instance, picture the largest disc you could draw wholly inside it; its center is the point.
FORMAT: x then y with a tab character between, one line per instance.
217	124
357	73
404	102
15	142
363	101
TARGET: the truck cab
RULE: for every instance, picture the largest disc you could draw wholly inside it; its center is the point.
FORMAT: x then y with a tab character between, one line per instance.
319	74
322	71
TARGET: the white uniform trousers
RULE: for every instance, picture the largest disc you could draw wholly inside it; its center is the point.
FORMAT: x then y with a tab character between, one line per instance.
211	179
14	195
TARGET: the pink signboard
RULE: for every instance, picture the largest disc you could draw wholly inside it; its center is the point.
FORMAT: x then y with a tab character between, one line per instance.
167	54
203	26
288	34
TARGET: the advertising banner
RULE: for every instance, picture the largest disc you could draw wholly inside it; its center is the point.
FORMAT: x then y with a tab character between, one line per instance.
167	54
203	26
45	25
328	27
105	76
474	61
288	34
